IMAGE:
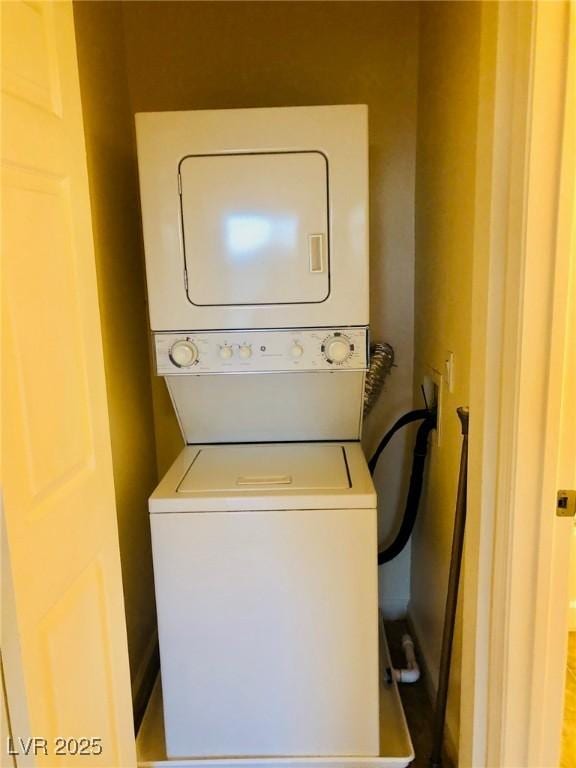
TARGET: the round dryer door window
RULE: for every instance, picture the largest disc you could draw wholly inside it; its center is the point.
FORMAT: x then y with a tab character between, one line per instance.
255	228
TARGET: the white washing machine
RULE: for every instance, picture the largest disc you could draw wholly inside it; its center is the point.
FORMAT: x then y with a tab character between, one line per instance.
266	580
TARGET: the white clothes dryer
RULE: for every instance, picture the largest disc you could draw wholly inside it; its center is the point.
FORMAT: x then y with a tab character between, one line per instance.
265	567
255	218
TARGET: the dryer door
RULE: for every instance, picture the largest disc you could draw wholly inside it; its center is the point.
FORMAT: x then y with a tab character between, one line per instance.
255	228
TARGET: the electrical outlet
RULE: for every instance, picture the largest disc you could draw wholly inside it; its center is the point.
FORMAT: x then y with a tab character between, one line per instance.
566	504
434	391
449	372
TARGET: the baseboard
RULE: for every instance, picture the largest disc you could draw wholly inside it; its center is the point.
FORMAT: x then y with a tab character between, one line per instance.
393	609
430	670
144	679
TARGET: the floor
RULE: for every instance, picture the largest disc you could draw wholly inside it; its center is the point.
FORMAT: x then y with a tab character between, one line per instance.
417	705
569	733
419	710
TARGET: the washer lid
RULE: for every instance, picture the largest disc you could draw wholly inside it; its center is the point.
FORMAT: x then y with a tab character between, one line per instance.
240	469
266	477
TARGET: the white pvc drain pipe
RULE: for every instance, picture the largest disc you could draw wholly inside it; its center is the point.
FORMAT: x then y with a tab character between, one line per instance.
411	673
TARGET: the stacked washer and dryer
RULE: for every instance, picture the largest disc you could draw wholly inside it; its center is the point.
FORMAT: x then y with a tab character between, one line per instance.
264	530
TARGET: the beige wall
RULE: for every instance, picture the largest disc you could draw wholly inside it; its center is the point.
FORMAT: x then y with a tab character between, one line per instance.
196	55
115	215
445	161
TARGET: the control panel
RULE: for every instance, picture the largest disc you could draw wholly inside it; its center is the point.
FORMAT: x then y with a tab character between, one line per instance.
320	349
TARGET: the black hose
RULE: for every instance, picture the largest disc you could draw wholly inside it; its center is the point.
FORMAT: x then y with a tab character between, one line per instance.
428	418
407	418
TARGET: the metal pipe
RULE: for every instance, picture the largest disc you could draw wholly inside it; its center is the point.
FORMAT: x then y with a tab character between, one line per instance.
380	366
451	598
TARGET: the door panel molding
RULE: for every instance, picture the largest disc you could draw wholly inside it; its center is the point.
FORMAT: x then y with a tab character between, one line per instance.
63	632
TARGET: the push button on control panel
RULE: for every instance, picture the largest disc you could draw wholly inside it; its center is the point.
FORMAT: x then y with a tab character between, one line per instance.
245	352
226	352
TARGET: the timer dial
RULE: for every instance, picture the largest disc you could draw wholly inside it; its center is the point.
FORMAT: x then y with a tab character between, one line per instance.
337	348
183	353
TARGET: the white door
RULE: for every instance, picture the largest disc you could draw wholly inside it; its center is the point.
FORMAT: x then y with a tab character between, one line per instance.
572	582
64	637
523	398
255	228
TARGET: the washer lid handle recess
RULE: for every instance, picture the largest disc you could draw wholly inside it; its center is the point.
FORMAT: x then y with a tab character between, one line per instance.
265	480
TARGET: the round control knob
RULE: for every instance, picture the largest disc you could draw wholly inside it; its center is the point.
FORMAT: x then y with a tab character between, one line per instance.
297	350
337	349
245	352
226	352
183	353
